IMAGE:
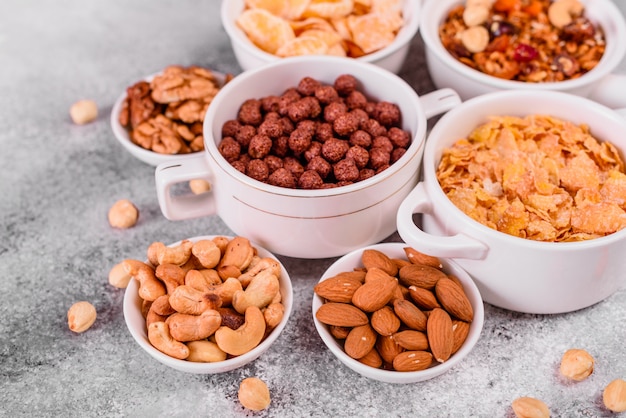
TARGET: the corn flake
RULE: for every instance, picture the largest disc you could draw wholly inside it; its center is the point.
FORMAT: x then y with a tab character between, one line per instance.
265	30
537	177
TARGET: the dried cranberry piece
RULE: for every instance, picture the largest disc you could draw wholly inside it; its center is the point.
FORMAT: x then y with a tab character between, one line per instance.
524	53
499	28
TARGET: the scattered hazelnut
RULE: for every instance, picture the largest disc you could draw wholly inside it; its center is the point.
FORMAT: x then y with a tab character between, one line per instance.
81	316
254	394
576	364
84	111
123	214
199	186
614	395
475	15
118	276
527	407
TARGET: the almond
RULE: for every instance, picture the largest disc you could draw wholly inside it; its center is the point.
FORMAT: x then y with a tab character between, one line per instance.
355	274
453	299
411	361
423	298
388	348
411	340
420	275
337	288
374	258
339	332
460	331
400	262
341	315
417	257
410	314
360	341
372	359
385	321
376	292
440	336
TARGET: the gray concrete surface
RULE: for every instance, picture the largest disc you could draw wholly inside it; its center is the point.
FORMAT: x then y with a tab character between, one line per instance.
57	182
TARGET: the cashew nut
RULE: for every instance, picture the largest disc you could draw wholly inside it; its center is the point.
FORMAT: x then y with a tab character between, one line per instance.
150	287
221	242
204	351
260	292
152	252
184	327
475	39
172	275
244	338
238	253
186	299
202	280
160	337
174	255
207	253
562	12
159	310
226	291
266	263
273	314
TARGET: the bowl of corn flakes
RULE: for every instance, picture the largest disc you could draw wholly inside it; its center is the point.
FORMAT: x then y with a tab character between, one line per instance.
375	31
574	46
526	190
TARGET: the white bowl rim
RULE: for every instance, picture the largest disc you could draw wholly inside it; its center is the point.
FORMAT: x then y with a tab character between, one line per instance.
391	376
428	165
140	336
404	35
418	138
609	63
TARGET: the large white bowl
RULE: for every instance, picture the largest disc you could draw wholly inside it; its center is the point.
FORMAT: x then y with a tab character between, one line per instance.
121	133
296	222
396	250
516	273
250	56
136	324
602	83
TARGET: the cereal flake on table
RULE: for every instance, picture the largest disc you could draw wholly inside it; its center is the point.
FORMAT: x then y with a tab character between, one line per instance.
537	177
524	40
350	28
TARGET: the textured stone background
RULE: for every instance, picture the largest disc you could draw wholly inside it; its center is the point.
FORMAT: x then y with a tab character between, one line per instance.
57	181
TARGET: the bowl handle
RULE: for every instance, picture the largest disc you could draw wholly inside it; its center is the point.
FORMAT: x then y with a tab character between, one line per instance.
455	246
189	205
439	101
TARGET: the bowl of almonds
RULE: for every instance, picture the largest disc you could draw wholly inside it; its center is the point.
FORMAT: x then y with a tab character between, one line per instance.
208	304
159	118
396	315
377	31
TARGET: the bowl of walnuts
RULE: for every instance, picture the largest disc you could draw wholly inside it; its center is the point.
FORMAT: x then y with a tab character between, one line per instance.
308	156
377	32
207	304
396	315
159	118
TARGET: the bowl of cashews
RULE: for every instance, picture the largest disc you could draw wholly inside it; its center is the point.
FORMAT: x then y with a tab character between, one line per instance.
208	304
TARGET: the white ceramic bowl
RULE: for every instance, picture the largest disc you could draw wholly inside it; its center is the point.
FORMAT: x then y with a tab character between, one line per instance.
602	83
250	56
136	324
121	133
516	273
396	250
296	222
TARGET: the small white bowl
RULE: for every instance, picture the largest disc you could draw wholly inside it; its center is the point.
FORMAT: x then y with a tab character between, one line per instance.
147	156
250	56
396	250
602	83
136	324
